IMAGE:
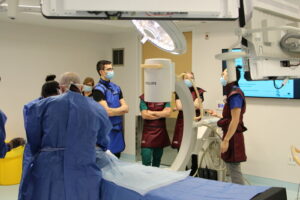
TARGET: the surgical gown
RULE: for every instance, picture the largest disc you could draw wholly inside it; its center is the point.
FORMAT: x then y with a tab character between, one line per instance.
27	157
3	146
62	132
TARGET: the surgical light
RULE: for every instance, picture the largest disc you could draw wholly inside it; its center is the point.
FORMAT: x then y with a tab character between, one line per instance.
163	34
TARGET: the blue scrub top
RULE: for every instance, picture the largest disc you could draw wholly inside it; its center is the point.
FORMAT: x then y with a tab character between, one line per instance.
3	146
236	101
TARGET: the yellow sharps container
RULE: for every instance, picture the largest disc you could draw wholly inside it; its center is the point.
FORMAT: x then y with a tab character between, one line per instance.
11	167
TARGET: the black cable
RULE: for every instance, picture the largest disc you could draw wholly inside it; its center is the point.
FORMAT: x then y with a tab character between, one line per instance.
95	12
295	65
113	15
275	86
242	17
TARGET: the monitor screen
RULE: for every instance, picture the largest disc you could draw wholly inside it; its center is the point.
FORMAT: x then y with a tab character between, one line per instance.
266	88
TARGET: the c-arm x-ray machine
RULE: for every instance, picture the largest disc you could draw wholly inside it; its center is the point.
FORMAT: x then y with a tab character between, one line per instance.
199	137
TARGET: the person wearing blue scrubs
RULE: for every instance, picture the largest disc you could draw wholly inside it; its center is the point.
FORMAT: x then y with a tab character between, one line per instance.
49	88
110	96
14	143
4	147
62	132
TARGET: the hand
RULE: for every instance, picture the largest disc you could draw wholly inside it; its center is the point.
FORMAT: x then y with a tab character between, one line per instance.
196	102
224	146
211	112
214	113
197	118
16	142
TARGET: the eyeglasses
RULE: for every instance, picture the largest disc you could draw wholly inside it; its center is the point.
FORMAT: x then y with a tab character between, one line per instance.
109	69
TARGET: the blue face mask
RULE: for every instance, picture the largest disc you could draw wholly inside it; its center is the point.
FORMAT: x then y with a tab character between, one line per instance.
188	83
87	88
223	81
110	75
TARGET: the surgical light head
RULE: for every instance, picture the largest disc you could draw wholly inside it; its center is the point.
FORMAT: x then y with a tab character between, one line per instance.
163	34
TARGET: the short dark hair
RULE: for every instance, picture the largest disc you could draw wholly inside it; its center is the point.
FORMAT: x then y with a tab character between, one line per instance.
50	77
50	88
238	72
100	65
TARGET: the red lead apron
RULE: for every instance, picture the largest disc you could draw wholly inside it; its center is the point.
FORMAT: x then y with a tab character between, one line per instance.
178	132
155	133
236	150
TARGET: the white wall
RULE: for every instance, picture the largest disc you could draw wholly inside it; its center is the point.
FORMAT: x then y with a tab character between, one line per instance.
272	123
128	77
28	53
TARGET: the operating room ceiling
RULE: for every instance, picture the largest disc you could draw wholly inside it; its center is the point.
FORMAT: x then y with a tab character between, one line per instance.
101	26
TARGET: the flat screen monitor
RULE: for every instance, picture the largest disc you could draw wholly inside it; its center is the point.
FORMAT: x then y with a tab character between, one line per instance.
266	88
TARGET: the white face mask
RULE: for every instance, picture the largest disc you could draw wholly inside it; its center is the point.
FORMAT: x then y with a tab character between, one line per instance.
110	75
223	81
59	91
87	88
188	83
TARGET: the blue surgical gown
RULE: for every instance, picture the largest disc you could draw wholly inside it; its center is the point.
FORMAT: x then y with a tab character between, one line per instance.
3	146
62	132
27	157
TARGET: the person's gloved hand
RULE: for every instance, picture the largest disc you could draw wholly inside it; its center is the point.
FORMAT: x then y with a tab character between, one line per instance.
16	142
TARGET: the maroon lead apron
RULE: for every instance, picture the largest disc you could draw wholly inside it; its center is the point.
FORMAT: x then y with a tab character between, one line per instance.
155	133
178	132
236	150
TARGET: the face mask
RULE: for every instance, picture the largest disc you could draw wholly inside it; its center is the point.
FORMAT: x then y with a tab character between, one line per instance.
110	75
188	83
59	92
223	81
87	88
